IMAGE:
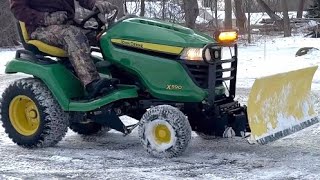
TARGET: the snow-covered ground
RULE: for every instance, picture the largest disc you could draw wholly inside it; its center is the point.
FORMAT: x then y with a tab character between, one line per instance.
5	56
271	56
109	155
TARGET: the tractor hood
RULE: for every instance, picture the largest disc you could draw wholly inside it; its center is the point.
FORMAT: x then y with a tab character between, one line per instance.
135	30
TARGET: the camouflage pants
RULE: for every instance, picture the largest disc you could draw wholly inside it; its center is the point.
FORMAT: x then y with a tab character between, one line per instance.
74	41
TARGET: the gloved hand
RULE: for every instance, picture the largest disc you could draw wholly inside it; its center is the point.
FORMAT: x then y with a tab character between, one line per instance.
103	6
55	18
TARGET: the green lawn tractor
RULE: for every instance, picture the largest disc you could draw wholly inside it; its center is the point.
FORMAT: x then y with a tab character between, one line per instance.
170	78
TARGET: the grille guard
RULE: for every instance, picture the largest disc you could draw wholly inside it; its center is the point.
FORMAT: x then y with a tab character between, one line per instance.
213	62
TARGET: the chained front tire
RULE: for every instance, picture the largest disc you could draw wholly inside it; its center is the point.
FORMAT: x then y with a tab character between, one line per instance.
164	131
31	116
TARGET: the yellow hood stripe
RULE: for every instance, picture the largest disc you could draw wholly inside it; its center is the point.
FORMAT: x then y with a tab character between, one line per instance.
149	46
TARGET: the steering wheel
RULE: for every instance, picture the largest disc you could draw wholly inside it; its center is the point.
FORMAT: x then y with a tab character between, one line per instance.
101	23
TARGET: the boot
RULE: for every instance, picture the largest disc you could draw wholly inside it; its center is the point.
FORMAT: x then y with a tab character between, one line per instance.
99	87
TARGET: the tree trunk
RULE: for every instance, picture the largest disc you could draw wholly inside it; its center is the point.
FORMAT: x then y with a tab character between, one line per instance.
8	29
216	12
286	20
163	9
142	5
248	6
300	8
241	18
191	10
272	15
228	14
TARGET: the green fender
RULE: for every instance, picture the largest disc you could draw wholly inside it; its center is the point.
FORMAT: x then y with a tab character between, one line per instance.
66	87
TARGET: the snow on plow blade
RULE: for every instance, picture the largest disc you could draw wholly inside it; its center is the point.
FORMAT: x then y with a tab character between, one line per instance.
280	105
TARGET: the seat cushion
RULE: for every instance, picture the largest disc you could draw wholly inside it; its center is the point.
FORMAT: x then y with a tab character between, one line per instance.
42	47
45	48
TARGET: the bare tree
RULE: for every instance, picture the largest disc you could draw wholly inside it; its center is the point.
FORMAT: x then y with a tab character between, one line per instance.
300	8
241	18
248	7
286	20
191	10
142	7
228	14
216	12
163	9
8	28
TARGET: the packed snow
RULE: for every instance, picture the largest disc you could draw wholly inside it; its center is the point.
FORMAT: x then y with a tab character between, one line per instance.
110	155
6	55
150	137
272	56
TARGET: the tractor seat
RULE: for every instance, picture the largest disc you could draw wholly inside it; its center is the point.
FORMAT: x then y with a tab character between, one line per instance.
38	47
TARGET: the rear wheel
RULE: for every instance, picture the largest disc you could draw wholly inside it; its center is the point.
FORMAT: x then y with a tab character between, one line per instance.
164	131
31	116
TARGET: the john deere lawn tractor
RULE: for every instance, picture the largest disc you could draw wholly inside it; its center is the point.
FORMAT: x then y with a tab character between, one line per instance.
170	78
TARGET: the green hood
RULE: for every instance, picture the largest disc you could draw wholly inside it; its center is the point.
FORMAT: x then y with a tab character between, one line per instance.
153	31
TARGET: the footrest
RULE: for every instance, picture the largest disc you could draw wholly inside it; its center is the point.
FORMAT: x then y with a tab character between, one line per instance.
122	92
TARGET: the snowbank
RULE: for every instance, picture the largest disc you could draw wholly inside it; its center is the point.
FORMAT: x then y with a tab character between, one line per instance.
5	56
271	56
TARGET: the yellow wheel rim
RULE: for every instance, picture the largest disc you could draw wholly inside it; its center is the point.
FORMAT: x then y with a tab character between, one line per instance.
24	115
162	134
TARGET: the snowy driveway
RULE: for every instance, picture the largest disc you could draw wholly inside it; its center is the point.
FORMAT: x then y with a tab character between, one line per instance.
109	155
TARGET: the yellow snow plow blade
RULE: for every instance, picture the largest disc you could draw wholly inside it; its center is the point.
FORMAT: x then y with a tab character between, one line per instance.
280	105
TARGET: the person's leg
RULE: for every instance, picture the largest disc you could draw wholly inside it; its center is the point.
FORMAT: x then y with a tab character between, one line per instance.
74	41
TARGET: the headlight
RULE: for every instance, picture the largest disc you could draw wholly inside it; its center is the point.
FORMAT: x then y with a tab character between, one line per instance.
194	54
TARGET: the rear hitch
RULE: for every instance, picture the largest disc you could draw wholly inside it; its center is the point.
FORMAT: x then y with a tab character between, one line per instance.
130	128
109	118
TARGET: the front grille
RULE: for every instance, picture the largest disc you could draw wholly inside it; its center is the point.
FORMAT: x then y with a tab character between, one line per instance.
199	72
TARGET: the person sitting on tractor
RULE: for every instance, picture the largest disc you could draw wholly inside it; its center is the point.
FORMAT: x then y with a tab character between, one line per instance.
50	21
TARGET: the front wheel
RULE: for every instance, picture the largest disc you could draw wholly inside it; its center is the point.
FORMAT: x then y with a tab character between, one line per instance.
31	116
164	131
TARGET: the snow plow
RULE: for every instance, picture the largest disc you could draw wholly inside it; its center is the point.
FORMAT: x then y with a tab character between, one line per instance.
281	104
170	78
